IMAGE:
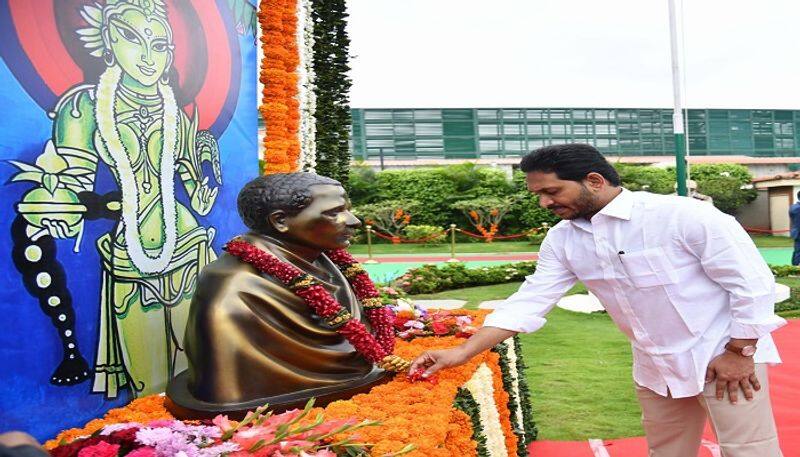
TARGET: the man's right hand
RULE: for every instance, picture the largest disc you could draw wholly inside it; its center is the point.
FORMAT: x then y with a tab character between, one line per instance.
433	361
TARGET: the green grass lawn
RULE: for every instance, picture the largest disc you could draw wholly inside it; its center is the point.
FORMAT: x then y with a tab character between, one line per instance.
492	248
762	241
579	369
769	241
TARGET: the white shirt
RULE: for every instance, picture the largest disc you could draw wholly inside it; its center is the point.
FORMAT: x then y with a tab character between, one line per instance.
677	276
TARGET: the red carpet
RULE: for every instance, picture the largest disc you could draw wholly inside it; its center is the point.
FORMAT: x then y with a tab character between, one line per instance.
784	388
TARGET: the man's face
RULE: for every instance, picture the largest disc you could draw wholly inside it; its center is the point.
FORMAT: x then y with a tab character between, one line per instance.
326	223
566	199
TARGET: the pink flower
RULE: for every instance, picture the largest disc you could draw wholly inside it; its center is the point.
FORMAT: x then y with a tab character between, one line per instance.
320	453
440	328
101	449
222	422
248	437
464	320
415	324
142	452
109	429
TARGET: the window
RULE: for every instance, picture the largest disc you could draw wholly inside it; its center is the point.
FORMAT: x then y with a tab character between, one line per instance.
582	129
560	129
488	114
488	129
432	129
538	129
536	114
514	145
513	129
379	129
489	145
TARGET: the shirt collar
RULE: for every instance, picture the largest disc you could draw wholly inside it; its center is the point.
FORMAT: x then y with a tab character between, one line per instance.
620	207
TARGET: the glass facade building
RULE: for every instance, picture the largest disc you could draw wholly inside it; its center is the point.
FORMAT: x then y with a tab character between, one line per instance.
510	132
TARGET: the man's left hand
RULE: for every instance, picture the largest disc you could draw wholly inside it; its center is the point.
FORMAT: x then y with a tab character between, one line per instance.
732	372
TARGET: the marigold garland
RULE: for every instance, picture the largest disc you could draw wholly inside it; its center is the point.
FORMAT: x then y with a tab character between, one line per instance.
280	107
398	404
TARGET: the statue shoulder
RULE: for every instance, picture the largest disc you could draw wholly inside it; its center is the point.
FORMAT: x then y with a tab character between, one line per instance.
73	117
222	281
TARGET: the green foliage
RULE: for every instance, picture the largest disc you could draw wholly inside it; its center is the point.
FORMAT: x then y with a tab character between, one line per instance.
706	171
363	184
430	233
438	188
331	55
651	179
782	271
432	278
727	193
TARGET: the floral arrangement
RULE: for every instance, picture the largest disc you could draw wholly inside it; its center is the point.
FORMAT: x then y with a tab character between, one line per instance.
412	321
306	88
260	433
448	426
280	105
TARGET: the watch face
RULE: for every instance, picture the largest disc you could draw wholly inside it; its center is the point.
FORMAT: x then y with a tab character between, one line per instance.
748	351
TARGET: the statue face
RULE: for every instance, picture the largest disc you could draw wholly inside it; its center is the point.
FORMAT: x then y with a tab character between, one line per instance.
140	45
326	223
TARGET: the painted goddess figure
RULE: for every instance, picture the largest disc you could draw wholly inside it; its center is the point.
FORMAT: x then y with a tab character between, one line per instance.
129	121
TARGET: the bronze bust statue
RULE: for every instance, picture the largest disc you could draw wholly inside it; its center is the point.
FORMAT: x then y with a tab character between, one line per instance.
249	339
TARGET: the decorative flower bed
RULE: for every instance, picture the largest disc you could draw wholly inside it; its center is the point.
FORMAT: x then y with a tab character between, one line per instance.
478	409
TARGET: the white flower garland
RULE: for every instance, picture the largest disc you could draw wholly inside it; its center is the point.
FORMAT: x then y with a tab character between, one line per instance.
482	390
306	87
512	370
106	126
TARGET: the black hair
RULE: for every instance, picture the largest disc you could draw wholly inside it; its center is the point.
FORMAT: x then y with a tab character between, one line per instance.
290	192
570	162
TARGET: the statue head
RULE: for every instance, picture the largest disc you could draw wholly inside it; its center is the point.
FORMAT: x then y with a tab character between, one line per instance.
304	208
132	34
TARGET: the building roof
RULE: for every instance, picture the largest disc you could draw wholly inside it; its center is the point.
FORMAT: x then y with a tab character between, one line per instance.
778	177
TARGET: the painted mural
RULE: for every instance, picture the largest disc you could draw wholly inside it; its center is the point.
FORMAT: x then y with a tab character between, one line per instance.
130	125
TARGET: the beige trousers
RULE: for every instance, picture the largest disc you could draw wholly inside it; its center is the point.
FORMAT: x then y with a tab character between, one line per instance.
674	426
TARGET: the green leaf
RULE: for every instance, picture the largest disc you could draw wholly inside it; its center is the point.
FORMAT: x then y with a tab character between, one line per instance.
50	182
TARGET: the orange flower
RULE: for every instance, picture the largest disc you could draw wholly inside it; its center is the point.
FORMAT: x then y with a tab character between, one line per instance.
473	214
280	108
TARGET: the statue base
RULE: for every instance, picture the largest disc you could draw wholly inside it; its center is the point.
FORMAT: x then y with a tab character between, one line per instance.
183	405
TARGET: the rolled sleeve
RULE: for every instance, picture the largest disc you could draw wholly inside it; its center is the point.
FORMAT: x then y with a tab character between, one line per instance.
730	258
524	311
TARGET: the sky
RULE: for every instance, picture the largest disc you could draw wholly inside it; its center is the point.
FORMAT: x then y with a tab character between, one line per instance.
572	53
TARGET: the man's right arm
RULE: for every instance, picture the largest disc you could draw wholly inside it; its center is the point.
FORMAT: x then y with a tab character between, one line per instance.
523	311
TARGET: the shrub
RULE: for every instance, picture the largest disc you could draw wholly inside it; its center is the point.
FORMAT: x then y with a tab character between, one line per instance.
429	233
433	278
485	213
438	188
649	178
389	216
363	184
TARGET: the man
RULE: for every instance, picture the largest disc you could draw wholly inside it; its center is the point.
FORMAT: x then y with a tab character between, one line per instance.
681	279
794	220
250	339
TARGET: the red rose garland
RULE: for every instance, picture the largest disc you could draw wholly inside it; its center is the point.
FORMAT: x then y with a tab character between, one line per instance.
378	348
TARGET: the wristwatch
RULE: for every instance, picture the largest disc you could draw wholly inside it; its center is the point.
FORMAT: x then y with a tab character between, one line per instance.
744	351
